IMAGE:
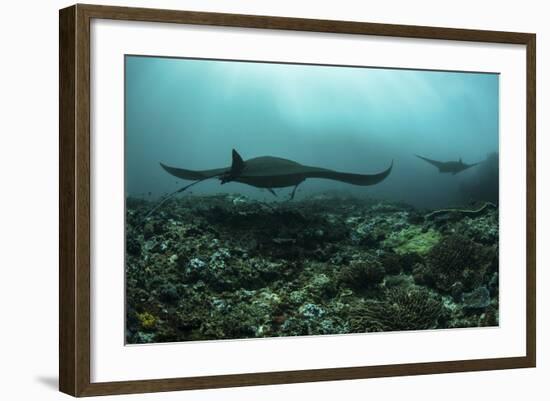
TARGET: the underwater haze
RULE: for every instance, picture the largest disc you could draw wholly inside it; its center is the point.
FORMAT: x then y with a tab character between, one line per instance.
191	113
359	248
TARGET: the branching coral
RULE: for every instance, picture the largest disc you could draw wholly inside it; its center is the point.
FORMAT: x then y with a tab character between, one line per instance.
457	259
400	309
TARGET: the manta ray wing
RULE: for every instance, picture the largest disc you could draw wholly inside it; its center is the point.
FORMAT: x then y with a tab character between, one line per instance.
349	178
432	162
194	175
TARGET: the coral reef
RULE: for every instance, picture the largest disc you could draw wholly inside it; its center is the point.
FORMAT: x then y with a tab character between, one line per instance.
457	259
225	266
400	309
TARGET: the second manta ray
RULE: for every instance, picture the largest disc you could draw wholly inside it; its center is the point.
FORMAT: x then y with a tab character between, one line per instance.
448	167
269	172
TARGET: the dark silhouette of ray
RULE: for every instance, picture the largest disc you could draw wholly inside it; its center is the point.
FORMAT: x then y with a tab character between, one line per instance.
268	172
453	167
274	172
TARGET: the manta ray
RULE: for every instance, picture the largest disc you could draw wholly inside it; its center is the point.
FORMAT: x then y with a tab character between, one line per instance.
449	167
270	172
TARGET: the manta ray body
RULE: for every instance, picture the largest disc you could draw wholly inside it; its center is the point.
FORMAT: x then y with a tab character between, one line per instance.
268	172
453	167
274	172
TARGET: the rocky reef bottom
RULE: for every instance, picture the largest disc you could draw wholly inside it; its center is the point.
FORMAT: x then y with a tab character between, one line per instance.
227	267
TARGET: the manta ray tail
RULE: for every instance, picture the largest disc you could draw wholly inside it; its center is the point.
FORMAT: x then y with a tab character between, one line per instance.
198	176
195	175
170	196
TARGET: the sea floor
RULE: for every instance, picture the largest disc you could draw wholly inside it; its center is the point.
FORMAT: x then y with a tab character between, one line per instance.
227	267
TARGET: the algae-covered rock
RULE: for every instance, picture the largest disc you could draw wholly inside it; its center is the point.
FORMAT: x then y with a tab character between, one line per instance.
412	240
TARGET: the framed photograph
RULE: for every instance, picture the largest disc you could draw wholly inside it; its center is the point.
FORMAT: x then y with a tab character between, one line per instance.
250	200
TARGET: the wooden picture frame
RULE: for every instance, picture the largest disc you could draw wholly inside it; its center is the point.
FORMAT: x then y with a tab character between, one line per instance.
74	200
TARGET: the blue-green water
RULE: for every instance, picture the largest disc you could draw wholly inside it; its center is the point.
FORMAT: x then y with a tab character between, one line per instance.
190	113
